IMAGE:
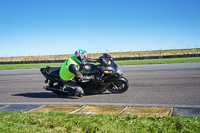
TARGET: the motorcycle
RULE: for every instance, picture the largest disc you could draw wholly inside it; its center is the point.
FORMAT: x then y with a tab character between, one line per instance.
105	76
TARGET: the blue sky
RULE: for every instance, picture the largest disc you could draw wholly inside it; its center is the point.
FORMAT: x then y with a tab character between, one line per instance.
52	27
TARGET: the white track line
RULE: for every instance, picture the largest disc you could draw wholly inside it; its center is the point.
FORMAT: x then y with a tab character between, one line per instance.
114	104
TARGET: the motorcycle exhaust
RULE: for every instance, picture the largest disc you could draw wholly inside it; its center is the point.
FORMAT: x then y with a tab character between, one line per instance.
45	87
53	89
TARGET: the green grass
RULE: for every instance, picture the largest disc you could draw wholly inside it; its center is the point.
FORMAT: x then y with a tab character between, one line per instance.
159	61
79	123
125	62
28	66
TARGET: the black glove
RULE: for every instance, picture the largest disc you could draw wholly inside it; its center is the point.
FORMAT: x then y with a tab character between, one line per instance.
92	60
107	56
100	59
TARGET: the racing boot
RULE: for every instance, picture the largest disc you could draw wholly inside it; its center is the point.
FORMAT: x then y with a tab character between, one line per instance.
79	92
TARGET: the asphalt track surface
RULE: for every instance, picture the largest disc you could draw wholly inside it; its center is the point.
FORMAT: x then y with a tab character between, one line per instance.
162	85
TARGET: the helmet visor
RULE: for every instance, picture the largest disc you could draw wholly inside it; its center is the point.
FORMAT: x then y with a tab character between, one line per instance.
84	58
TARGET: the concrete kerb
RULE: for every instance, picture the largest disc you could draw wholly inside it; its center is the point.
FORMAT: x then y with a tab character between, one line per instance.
106	109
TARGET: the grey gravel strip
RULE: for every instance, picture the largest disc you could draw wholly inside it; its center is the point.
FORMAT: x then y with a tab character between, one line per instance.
3	106
186	112
18	108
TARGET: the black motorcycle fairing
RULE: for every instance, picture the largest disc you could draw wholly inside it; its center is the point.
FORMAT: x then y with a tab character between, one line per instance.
114	79
88	69
54	72
95	87
51	73
108	64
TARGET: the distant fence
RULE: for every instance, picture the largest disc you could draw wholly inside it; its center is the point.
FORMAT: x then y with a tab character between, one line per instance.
116	59
158	57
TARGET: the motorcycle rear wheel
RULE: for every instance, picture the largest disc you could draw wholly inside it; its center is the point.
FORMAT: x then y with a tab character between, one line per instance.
118	87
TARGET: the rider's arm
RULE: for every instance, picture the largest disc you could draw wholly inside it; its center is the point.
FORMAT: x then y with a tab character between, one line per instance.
74	69
93	60
79	76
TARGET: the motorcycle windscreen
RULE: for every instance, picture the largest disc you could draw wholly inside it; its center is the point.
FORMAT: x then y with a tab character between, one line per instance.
114	65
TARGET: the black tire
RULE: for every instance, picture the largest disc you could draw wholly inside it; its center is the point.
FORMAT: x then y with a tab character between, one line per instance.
121	87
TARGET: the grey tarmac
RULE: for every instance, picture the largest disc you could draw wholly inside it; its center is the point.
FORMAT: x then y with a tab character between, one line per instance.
159	85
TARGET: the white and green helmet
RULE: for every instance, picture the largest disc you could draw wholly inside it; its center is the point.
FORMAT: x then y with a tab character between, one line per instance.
81	56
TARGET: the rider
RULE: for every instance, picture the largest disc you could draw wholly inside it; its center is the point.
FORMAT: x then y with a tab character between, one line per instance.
70	70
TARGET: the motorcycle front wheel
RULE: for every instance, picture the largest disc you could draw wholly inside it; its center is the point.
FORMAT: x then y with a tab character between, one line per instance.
118	87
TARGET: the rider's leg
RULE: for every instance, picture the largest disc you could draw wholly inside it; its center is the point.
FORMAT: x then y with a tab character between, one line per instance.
73	88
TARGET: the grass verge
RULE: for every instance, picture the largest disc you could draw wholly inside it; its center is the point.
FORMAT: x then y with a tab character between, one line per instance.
159	61
125	62
113	54
28	66
80	123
